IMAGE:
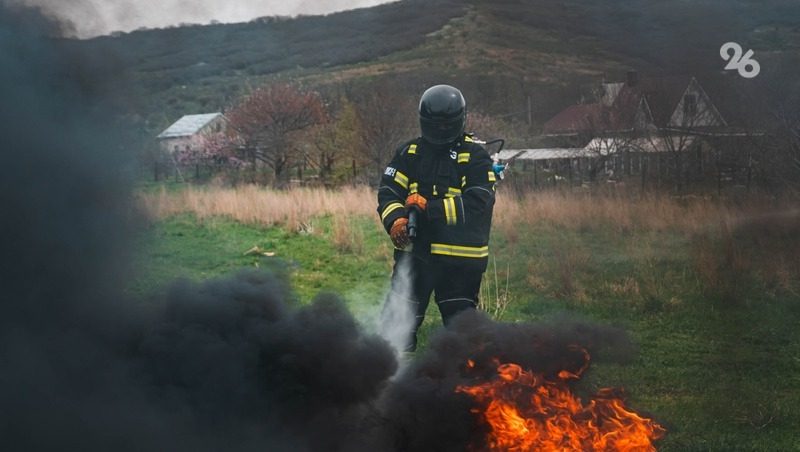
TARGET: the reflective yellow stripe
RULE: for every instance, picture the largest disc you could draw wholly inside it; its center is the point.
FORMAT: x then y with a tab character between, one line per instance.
389	209
463	157
463	181
412	149
492	177
459	251
401	179
468	139
451	191
450	214
413	187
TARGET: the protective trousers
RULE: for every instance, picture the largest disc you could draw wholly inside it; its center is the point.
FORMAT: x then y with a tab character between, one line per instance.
455	288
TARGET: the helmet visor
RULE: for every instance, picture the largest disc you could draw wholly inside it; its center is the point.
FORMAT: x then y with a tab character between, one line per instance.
442	131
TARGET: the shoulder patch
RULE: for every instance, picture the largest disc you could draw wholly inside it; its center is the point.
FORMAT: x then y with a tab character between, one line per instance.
403	148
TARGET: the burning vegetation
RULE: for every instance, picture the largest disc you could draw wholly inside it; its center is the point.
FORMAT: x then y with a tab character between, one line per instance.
525	410
470	390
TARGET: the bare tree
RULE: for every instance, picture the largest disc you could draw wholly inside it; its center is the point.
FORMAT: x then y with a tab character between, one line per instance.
788	134
610	141
681	133
268	121
488	127
780	94
385	120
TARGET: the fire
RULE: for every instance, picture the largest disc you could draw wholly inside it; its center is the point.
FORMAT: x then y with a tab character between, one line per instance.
526	411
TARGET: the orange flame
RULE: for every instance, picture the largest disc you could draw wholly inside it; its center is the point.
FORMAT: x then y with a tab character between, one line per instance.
527	412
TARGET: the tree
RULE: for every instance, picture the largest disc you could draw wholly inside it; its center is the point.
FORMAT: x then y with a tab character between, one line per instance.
386	119
608	142
268	123
779	94
488	127
683	131
334	140
211	152
788	137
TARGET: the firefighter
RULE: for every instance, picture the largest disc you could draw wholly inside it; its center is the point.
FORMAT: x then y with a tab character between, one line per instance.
444	178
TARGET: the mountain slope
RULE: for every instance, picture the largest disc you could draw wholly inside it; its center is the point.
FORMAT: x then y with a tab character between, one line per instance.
503	50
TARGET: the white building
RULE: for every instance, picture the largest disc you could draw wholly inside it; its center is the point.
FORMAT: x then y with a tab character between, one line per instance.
189	132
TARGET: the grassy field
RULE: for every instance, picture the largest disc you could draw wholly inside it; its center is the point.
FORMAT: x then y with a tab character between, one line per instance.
709	291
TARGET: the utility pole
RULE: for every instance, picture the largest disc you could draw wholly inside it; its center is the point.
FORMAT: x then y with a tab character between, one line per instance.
530	110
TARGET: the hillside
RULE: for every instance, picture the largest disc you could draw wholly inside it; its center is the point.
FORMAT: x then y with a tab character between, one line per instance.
199	68
503	50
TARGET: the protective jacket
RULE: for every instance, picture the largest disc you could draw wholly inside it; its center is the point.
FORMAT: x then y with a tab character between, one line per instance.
458	182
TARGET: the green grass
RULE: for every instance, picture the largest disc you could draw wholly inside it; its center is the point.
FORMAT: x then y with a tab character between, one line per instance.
185	247
720	375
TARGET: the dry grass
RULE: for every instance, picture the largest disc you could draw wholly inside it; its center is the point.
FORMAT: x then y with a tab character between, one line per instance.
494	297
623	214
293	208
627	287
347	237
571	262
720	265
251	204
732	241
535	275
733	245
760	250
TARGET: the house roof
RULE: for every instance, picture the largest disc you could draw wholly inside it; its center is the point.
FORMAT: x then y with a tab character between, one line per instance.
661	93
599	146
651	145
508	154
619	106
188	125
542	154
730	94
574	119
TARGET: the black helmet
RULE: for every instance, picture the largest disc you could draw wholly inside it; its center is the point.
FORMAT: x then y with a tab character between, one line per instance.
442	114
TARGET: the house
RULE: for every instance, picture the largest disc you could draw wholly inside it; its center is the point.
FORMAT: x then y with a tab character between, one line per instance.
190	132
638	105
668	127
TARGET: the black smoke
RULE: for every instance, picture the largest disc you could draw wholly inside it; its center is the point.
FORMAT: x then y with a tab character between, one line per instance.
221	365
228	364
249	371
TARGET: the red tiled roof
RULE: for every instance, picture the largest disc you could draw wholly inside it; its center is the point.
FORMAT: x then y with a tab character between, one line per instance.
575	118
588	118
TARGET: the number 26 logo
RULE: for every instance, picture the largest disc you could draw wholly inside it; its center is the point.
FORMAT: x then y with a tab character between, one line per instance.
739	62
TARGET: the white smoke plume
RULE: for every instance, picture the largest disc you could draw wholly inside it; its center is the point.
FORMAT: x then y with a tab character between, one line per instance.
397	317
88	18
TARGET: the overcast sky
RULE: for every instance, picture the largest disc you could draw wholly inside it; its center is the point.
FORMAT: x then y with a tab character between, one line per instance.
97	17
